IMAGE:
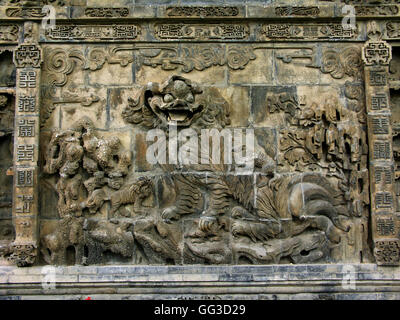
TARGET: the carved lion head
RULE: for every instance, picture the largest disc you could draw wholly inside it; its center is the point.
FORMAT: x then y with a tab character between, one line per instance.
177	101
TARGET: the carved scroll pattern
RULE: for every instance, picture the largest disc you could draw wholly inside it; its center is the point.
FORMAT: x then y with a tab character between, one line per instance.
60	63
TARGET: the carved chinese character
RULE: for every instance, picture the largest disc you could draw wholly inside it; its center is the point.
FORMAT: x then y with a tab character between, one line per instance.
23	228
379	101
380	125
27	79
26	128
379	171
385	227
25	152
24	178
310	31
26	104
26	204
381	150
383	200
378	78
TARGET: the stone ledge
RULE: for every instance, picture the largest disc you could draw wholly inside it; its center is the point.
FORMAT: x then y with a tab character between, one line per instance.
202	282
201	269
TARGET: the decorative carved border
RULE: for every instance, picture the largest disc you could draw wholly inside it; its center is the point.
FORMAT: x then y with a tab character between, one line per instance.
25	12
193	11
376	10
223	31
202	32
297	11
27	59
376	55
93	32
106	12
250	10
307	31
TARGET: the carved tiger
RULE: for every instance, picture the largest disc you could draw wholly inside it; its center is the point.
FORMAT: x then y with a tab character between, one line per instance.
180	102
132	194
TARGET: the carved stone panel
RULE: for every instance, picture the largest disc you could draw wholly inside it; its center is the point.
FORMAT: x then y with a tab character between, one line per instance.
173	200
199	135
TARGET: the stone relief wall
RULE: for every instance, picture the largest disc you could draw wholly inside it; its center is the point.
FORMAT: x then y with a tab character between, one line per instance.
165	214
324	187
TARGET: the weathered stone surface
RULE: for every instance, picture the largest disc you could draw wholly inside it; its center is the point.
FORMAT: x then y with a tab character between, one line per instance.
171	142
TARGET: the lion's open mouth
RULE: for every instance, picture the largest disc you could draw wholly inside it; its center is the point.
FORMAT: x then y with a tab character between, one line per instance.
182	115
179	115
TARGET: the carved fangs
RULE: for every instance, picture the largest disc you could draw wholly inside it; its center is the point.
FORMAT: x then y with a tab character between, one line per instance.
174	101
